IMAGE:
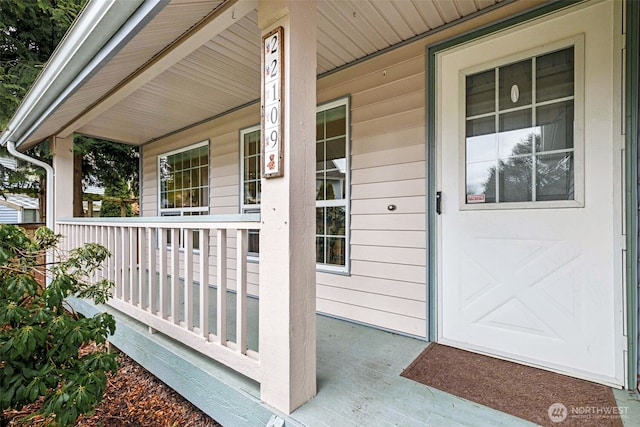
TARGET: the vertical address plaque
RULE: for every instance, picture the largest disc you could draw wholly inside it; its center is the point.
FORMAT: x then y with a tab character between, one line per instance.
273	79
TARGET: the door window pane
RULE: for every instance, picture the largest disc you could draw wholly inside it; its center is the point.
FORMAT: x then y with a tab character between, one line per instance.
556	122
554	75
481	148
517	142
554	179
481	93
481	182
515	85
483	126
515	179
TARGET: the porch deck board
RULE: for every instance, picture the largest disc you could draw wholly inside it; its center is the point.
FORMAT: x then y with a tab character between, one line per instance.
358	373
359	383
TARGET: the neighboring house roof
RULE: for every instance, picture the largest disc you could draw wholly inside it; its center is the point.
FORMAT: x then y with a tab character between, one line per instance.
155	52
9	162
19	201
92	189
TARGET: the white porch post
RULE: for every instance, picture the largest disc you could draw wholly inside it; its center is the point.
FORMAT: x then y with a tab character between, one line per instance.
287	237
62	149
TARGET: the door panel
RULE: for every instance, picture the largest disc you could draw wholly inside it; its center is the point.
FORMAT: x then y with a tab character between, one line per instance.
532	270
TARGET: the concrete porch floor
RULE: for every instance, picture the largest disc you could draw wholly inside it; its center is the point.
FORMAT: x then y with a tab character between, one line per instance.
359	382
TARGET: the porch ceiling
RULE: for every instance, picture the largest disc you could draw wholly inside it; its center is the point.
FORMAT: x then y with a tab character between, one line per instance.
160	81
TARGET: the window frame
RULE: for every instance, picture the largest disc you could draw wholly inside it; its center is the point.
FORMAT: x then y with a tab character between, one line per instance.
201	210
346	201
182	210
249	208
577	43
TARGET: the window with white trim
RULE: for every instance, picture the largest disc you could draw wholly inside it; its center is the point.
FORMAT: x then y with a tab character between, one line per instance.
183	178
251	176
332	184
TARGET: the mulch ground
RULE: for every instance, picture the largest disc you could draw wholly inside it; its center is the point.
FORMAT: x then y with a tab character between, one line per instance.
134	398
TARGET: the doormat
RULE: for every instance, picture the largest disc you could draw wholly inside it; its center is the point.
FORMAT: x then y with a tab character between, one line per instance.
543	397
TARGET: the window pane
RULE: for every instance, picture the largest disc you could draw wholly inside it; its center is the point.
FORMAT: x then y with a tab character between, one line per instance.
336	122
177	180
254	242
320	134
515	85
481	148
556	121
481	182
336	251
204	155
484	126
517	142
481	95
336	224
554	75
555	177
204	176
251	145
336	165
515	120
515	179
320	250
196	239
320	155
252	193
335	149
195	198
249	169
186	179
320	221
195	178
320	186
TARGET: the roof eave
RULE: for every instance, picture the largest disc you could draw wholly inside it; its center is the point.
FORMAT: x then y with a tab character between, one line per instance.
100	31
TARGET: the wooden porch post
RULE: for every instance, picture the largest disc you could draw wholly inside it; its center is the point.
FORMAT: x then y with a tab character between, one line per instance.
62	150
287	237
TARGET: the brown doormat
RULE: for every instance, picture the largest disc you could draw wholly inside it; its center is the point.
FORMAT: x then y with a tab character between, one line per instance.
543	397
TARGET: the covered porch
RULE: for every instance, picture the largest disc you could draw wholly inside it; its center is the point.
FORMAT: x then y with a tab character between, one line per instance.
357	183
206	344
359	382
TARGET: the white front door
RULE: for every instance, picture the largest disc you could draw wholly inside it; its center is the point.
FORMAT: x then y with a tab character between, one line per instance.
529	165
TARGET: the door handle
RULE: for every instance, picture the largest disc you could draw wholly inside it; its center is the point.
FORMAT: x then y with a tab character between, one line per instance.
439	202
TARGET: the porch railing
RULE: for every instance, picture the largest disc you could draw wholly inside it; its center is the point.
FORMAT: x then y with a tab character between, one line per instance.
161	269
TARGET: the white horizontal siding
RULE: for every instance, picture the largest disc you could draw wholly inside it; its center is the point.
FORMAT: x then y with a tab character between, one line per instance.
8	215
388	320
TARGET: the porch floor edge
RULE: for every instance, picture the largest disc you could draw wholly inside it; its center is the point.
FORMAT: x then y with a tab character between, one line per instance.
223	394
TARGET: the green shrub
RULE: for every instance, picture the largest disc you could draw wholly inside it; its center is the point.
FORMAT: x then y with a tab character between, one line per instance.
41	336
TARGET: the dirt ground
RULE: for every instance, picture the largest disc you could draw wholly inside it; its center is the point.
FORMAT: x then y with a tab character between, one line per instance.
134	398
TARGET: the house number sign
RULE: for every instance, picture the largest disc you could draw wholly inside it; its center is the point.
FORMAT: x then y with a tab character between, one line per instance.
273	79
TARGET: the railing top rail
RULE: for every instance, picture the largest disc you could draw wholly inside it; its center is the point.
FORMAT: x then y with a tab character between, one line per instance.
196	221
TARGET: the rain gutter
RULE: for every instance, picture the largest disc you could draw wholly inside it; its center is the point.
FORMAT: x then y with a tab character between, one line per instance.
103	27
11	147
